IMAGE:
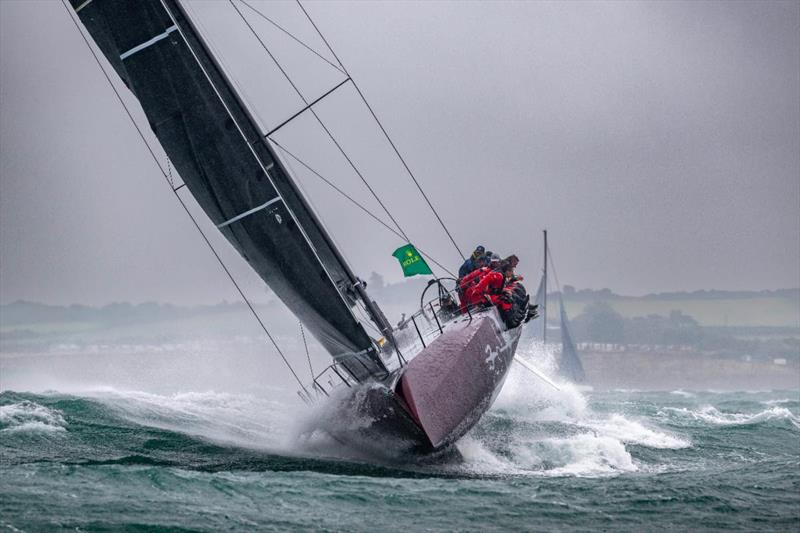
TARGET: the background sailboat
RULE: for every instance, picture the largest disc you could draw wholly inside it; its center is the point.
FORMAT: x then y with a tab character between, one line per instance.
568	362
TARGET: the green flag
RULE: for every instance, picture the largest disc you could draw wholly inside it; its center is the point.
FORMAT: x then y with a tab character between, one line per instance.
411	262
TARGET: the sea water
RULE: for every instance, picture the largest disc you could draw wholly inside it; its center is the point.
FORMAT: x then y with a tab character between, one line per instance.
104	458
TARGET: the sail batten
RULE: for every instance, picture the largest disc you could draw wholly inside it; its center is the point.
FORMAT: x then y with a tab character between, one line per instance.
147	43
220	153
249	212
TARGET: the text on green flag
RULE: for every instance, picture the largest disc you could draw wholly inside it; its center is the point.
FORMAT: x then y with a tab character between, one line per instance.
411	261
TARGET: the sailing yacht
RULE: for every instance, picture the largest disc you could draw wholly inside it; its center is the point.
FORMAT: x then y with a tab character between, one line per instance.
425	382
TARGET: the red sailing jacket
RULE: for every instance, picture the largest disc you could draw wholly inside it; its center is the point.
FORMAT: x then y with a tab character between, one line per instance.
472	279
490	284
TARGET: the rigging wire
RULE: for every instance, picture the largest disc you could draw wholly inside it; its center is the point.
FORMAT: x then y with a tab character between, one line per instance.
555	276
383	129
308	355
244	137
553	267
241	91
353	201
168	176
291	35
319	120
360	308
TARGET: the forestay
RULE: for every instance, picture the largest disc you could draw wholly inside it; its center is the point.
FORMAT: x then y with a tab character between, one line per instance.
227	164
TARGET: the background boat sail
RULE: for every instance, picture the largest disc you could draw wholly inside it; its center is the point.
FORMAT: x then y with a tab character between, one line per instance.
445	380
568	364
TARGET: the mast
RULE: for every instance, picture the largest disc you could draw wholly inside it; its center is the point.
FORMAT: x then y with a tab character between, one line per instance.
544	294
230	167
357	286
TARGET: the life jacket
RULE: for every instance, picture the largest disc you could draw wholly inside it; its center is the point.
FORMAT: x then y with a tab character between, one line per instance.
490	284
467	284
471	279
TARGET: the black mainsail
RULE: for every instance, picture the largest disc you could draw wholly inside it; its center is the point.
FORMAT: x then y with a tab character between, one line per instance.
229	167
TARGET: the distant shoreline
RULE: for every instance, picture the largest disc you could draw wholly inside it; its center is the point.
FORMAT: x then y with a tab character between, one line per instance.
688	370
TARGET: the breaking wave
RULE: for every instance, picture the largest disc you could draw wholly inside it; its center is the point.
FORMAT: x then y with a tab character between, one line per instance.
532	429
536	429
782	401
711	415
582	455
633	432
27	416
232	419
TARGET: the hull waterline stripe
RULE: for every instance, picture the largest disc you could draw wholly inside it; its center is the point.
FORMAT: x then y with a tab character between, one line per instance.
86	3
250	212
151	42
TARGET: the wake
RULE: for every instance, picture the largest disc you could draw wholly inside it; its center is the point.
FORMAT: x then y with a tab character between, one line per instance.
534	429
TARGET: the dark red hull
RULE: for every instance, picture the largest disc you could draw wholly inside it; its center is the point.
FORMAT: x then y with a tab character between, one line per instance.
454	381
438	396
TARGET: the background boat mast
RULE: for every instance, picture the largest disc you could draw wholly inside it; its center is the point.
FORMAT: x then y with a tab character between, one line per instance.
544	295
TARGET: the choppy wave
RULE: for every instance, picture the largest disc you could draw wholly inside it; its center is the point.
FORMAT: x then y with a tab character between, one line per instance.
590	455
236	419
633	432
532	430
535	429
221	461
782	401
711	415
28	416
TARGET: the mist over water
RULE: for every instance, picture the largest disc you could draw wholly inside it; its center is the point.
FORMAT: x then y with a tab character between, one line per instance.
191	434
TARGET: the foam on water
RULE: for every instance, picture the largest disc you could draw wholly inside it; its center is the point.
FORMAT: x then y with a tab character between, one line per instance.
479	459
781	401
235	419
711	415
532	429
556	433
27	416
336	427
635	432
589	455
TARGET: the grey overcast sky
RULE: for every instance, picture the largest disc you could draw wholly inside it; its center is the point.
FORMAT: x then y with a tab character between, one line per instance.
659	142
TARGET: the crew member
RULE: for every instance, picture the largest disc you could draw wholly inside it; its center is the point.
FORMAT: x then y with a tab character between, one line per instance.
505	300
471	263
489	288
469	281
495	263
